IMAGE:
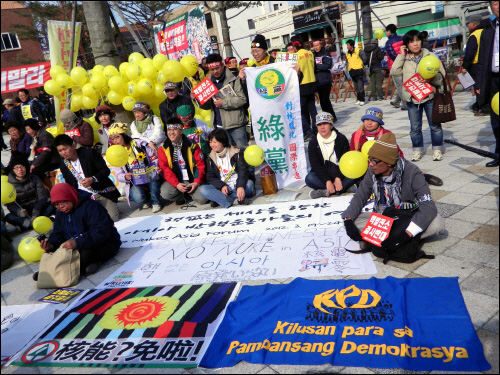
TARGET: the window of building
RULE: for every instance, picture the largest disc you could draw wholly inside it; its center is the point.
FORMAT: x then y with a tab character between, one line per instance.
251	24
286	39
208	18
276	6
10	42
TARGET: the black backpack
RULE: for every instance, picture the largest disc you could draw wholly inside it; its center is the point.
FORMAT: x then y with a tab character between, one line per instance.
409	252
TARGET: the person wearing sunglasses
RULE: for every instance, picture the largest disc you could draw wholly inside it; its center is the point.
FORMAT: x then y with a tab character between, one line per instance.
173	100
395	183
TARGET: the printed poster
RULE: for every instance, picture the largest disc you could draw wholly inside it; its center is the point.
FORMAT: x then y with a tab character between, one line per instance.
419	324
274	95
165	326
25	76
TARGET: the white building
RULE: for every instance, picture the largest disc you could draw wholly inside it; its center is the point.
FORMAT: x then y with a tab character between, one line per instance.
242	28
276	26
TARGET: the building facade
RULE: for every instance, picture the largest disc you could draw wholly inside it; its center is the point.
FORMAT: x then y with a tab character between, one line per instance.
277	27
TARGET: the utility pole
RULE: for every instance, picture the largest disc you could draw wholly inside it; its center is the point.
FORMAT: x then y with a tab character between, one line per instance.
334	30
366	17
356	8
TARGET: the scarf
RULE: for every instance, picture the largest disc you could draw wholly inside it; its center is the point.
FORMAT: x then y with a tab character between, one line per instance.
142	125
15	143
264	61
327	155
222	154
388	189
377	133
415	59
177	148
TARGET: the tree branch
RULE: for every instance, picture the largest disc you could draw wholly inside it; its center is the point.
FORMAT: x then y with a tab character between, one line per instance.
237	14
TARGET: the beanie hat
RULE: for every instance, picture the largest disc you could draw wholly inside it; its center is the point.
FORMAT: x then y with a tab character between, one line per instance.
107	110
259	42
184	110
374	114
385	149
118	128
63	192
67	116
324	117
141	107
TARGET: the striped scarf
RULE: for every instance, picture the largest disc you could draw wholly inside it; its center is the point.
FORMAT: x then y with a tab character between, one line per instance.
388	189
177	148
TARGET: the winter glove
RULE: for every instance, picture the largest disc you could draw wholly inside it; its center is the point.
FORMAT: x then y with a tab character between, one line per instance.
352	230
395	242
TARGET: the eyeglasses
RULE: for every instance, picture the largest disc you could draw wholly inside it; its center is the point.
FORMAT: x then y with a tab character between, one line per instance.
61	203
19	167
374	161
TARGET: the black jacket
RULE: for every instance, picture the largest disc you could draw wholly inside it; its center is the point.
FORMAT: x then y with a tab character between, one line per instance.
470	52
322	70
15	115
46	152
93	165
30	195
326	170
483	66
213	174
374	52
168	107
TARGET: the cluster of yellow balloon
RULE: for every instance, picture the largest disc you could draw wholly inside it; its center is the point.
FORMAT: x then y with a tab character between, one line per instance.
139	79
204	115
353	164
428	67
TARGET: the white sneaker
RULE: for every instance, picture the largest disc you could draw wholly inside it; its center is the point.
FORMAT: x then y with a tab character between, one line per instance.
361	104
417	155
356	102
145	206
156	208
437	155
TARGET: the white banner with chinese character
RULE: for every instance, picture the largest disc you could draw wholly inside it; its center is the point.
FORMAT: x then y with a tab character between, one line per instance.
274	96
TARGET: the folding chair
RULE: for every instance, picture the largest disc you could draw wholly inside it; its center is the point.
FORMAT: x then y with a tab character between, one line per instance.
350	88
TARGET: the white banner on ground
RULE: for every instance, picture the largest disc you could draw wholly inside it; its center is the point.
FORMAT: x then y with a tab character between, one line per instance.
238	220
273	91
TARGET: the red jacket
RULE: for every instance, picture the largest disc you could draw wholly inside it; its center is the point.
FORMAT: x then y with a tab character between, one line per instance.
358	139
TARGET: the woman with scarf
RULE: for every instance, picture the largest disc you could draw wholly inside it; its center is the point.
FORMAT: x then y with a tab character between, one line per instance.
140	174
325	151
147	127
227	173
20	141
105	116
80	131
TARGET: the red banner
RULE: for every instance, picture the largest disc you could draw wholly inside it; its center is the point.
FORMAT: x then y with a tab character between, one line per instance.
377	228
25	76
175	37
418	89
205	90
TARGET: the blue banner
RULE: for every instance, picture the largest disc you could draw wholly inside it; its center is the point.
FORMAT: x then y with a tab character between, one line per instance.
416	324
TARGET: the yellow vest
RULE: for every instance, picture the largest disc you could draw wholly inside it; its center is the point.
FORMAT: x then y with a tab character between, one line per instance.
306	65
354	61
477	34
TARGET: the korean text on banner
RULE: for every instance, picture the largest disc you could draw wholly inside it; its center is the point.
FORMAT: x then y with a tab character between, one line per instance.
418	89
60	44
205	90
377	228
25	76
274	96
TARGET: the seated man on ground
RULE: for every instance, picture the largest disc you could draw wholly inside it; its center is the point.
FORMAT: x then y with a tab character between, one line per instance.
325	151
396	183
182	165
227	173
80	131
81	224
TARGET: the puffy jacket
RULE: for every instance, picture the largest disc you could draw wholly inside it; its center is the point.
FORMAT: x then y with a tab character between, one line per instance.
233	112
30	194
408	68
393	48
168	107
236	157
153	133
323	62
89	224
374	53
325	169
45	151
86	137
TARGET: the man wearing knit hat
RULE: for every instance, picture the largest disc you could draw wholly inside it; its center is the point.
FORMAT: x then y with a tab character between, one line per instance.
75	127
396	183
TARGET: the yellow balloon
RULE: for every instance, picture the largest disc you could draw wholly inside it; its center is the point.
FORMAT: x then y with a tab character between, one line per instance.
158	60
115	97
353	164
494	103
29	249
133	72
145	86
8	192
89	102
251	62
159	91
366	147
64	80
208	120
145	62
78	76
55	71
117	156
110	71
116	83
428	67
190	64
77	98
97	68
42	224
52	87
254	155
92	122
74	107
149	72
173	71
98	80
132	89
161	78
135	58
88	90
123	68
128	103
379	34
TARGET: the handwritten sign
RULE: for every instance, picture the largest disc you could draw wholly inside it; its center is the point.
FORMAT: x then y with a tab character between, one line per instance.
205	90
283	56
377	228
419	90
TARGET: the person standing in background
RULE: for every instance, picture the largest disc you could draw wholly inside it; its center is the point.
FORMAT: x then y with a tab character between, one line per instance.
322	65
392	48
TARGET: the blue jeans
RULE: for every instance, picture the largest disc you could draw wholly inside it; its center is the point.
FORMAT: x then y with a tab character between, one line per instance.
239	136
18	221
211	193
313	181
415	113
138	193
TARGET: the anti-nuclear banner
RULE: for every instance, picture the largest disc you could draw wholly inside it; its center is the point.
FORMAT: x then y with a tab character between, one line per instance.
273	91
416	324
166	326
184	35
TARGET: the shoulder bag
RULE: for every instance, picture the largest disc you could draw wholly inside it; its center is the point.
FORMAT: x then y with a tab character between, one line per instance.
59	269
443	109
